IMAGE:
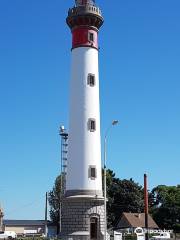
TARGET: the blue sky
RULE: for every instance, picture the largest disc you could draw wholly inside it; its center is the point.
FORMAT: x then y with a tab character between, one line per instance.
140	86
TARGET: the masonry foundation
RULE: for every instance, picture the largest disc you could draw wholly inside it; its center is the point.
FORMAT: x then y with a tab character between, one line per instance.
82	218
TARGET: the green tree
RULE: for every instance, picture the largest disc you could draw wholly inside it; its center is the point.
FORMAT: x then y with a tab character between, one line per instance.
123	196
54	202
166	207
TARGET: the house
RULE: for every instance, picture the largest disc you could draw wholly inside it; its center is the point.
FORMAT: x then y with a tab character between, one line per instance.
30	227
130	221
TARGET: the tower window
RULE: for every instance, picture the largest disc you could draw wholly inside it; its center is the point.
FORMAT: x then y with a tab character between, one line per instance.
92	125
92	172
91	37
91	80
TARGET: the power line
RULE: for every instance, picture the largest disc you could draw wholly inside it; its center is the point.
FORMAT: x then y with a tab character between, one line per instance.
26	205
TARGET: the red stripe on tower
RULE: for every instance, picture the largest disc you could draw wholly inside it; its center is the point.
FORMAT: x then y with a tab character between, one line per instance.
84	37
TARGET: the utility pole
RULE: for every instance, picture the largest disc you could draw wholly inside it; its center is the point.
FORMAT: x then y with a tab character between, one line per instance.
146	206
1	218
45	225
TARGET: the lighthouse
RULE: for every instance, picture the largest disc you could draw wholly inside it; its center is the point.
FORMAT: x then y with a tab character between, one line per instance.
83	204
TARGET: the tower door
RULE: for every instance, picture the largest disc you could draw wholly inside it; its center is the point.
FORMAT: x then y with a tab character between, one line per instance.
93	228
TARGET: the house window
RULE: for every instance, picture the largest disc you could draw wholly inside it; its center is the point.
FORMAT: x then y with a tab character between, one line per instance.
91	37
91	80
93	228
92	125
92	172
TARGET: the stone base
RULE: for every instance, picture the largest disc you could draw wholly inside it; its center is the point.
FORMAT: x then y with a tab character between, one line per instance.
77	236
77	212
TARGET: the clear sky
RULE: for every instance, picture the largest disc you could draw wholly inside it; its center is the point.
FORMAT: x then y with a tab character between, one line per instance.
140	86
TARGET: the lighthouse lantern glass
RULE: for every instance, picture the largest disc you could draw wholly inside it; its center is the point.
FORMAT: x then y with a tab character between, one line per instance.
84	2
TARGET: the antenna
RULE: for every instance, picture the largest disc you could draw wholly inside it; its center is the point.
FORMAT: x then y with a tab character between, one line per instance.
64	152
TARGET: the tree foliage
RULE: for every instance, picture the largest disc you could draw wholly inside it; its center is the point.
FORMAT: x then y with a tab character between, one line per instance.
123	196
166	207
54	202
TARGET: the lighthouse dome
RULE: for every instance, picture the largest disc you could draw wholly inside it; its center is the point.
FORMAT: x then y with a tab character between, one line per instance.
85	2
85	13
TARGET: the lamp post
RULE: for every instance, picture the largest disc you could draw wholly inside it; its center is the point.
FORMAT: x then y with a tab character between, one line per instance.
114	122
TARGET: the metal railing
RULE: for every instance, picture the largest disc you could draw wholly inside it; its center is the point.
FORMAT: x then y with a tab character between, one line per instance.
84	10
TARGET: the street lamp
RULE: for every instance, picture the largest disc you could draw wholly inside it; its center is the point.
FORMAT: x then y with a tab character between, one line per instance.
114	122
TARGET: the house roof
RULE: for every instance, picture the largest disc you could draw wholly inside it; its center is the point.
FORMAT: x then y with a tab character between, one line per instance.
24	222
133	220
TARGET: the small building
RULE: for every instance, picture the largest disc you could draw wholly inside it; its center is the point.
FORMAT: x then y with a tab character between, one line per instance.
130	221
30	227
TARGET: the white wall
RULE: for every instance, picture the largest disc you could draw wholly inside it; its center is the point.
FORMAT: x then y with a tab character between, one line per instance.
84	146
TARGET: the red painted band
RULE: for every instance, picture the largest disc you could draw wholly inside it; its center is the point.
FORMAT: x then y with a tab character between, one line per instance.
84	37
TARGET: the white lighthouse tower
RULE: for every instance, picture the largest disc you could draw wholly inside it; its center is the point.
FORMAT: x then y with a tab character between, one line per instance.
83	205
